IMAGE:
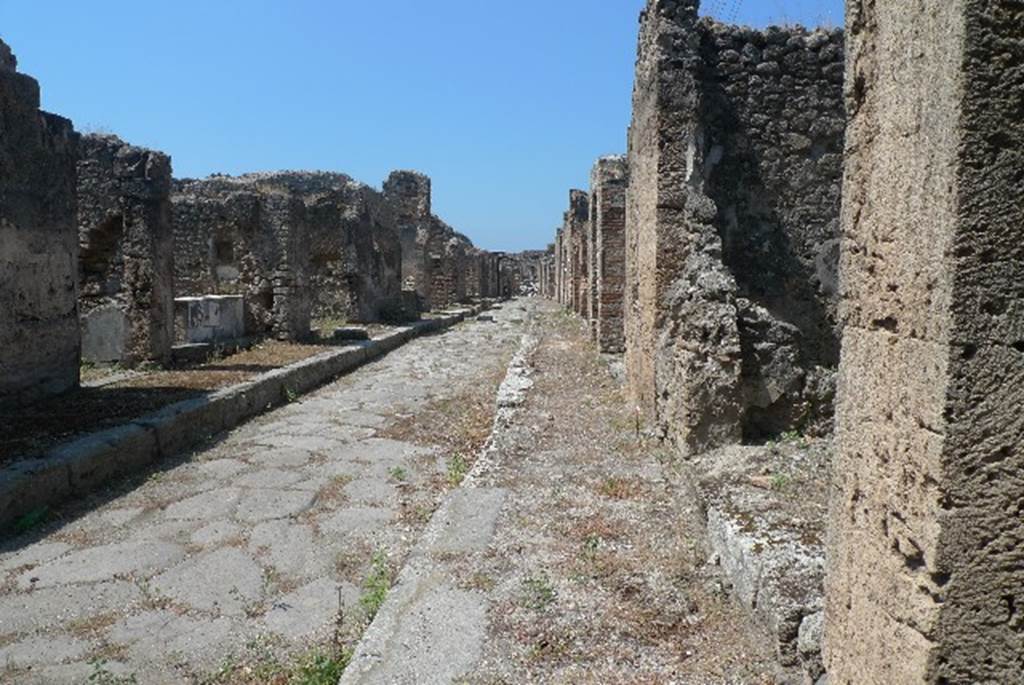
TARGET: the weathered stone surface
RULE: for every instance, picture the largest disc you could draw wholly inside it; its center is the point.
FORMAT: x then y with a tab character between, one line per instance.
735	158
126	255
438	263
926	580
233	238
608	181
104	563
39	336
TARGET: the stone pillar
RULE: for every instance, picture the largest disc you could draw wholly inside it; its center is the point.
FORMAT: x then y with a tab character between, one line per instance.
126	260
409	192
39	335
608	182
926	576
576	227
559	266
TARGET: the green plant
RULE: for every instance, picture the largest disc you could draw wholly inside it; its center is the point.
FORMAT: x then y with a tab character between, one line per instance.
376	585
457	468
290	395
101	676
538	592
31	520
398	473
780	482
320	668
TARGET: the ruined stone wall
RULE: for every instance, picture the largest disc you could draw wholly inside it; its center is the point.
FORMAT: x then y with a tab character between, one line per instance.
735	158
926	575
436	260
608	182
559	267
39	335
232	237
126	252
353	244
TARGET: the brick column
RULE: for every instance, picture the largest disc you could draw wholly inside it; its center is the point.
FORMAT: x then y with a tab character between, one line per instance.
608	182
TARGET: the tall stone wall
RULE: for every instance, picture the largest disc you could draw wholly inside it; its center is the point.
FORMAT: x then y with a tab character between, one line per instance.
126	255
39	335
735	158
232	238
926	577
608	181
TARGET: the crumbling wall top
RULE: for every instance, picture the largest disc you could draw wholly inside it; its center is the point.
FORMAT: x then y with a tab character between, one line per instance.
410	192
8	62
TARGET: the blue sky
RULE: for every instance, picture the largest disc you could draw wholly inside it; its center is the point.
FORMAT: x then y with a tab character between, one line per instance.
504	104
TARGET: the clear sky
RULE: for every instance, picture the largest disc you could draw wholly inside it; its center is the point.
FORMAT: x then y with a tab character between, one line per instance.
504	104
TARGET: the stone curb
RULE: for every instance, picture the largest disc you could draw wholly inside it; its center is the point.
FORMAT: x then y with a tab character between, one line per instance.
80	466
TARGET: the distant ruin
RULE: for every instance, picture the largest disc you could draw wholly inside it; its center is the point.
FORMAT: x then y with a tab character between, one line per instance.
39	336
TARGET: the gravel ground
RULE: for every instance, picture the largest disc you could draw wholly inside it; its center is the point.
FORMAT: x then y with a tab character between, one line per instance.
597	572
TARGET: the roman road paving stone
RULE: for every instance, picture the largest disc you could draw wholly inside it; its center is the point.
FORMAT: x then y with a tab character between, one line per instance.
263	536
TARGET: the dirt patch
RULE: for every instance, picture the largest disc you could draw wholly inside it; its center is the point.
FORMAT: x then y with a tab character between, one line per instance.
599	565
30	429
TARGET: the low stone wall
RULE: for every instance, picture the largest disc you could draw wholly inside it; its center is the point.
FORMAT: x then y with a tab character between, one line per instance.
39	335
126	256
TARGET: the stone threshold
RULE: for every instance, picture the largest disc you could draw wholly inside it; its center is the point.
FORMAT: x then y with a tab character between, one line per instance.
82	465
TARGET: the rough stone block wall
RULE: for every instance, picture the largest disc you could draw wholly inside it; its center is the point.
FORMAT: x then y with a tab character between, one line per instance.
353	244
126	252
608	182
559	267
732	225
926	576
39	335
233	238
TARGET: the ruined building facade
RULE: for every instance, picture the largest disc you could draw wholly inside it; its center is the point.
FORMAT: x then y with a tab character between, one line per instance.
39	336
126	252
735	162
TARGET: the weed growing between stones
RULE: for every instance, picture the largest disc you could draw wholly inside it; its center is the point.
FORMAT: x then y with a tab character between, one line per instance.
100	675
376	586
457	468
538	592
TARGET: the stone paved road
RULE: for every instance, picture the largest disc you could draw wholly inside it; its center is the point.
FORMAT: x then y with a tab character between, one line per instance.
261	538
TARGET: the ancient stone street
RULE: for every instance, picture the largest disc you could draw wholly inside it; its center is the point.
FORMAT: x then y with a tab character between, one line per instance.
260	541
737	401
